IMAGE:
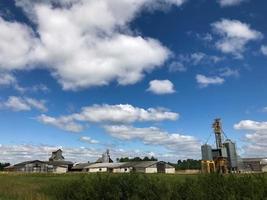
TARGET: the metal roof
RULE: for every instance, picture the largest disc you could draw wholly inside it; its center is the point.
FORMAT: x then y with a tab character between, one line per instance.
59	162
29	162
81	165
136	164
104	165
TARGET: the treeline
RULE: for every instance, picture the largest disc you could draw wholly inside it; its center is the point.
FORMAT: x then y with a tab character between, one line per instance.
3	165
187	164
161	187
127	159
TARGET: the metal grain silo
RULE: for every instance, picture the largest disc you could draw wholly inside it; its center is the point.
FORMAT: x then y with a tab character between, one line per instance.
231	154
206	151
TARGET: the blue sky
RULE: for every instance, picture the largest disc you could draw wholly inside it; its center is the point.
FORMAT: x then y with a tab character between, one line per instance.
140	78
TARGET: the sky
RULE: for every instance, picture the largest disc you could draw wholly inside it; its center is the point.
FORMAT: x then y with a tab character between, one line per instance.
140	78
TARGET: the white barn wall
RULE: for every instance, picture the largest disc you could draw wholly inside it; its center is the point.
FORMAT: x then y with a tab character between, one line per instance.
264	168
60	170
170	170
98	170
121	170
150	170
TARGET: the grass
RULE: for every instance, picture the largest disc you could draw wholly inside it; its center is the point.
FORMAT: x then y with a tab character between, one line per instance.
131	186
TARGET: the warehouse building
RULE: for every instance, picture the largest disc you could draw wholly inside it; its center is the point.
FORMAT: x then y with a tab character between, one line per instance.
253	165
126	167
56	164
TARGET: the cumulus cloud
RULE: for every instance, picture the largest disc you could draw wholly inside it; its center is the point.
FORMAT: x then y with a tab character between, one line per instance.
225	3
227	72
16	45
155	136
234	36
7	79
88	140
23	104
161	87
177	66
64	123
121	113
264	50
182	61
205	81
82	43
255	138
24	152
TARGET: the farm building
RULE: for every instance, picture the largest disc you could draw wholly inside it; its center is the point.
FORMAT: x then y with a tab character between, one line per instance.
126	167
80	167
57	155
59	166
29	166
253	165
105	158
56	164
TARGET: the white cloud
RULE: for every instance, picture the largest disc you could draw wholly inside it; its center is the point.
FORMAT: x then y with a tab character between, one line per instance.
161	87
16	44
234	36
88	140
198	58
25	152
122	113
177	66
255	138
63	123
23	104
264	50
227	72
7	79
183	144
225	3
205	81
251	125
83	43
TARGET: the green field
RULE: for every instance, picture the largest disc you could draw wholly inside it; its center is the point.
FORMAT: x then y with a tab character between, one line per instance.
132	186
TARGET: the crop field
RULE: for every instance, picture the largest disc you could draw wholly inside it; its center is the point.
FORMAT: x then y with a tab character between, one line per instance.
132	186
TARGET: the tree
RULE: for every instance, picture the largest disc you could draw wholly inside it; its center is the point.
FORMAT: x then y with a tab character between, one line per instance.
127	159
188	164
3	165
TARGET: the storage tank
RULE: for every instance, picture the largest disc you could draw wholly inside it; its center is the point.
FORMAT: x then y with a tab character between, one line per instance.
232	155
206	152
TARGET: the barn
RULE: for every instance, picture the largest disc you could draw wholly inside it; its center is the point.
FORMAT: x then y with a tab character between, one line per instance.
126	167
